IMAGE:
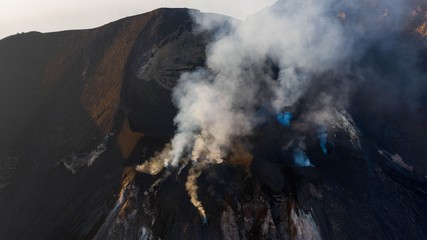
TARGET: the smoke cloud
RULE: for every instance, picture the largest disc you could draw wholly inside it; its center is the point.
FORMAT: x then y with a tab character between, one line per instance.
265	64
191	187
218	104
269	61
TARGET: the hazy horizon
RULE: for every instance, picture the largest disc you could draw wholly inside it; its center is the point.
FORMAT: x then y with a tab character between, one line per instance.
49	16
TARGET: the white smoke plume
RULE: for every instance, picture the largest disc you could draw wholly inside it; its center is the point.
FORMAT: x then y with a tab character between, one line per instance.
218	104
156	164
267	62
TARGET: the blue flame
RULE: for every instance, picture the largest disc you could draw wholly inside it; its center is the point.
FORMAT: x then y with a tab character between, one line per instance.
205	220
284	118
322	134
301	159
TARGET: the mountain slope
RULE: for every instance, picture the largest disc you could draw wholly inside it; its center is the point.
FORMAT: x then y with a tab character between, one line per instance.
80	109
61	106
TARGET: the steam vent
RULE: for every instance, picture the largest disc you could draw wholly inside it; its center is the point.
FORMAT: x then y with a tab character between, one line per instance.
307	120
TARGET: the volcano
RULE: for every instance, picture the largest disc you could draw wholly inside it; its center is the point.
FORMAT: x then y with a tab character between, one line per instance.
90	119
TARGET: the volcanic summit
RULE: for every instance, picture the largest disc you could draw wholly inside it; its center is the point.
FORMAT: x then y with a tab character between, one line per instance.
307	120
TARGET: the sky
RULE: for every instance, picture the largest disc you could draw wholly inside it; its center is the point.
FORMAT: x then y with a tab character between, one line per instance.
17	16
